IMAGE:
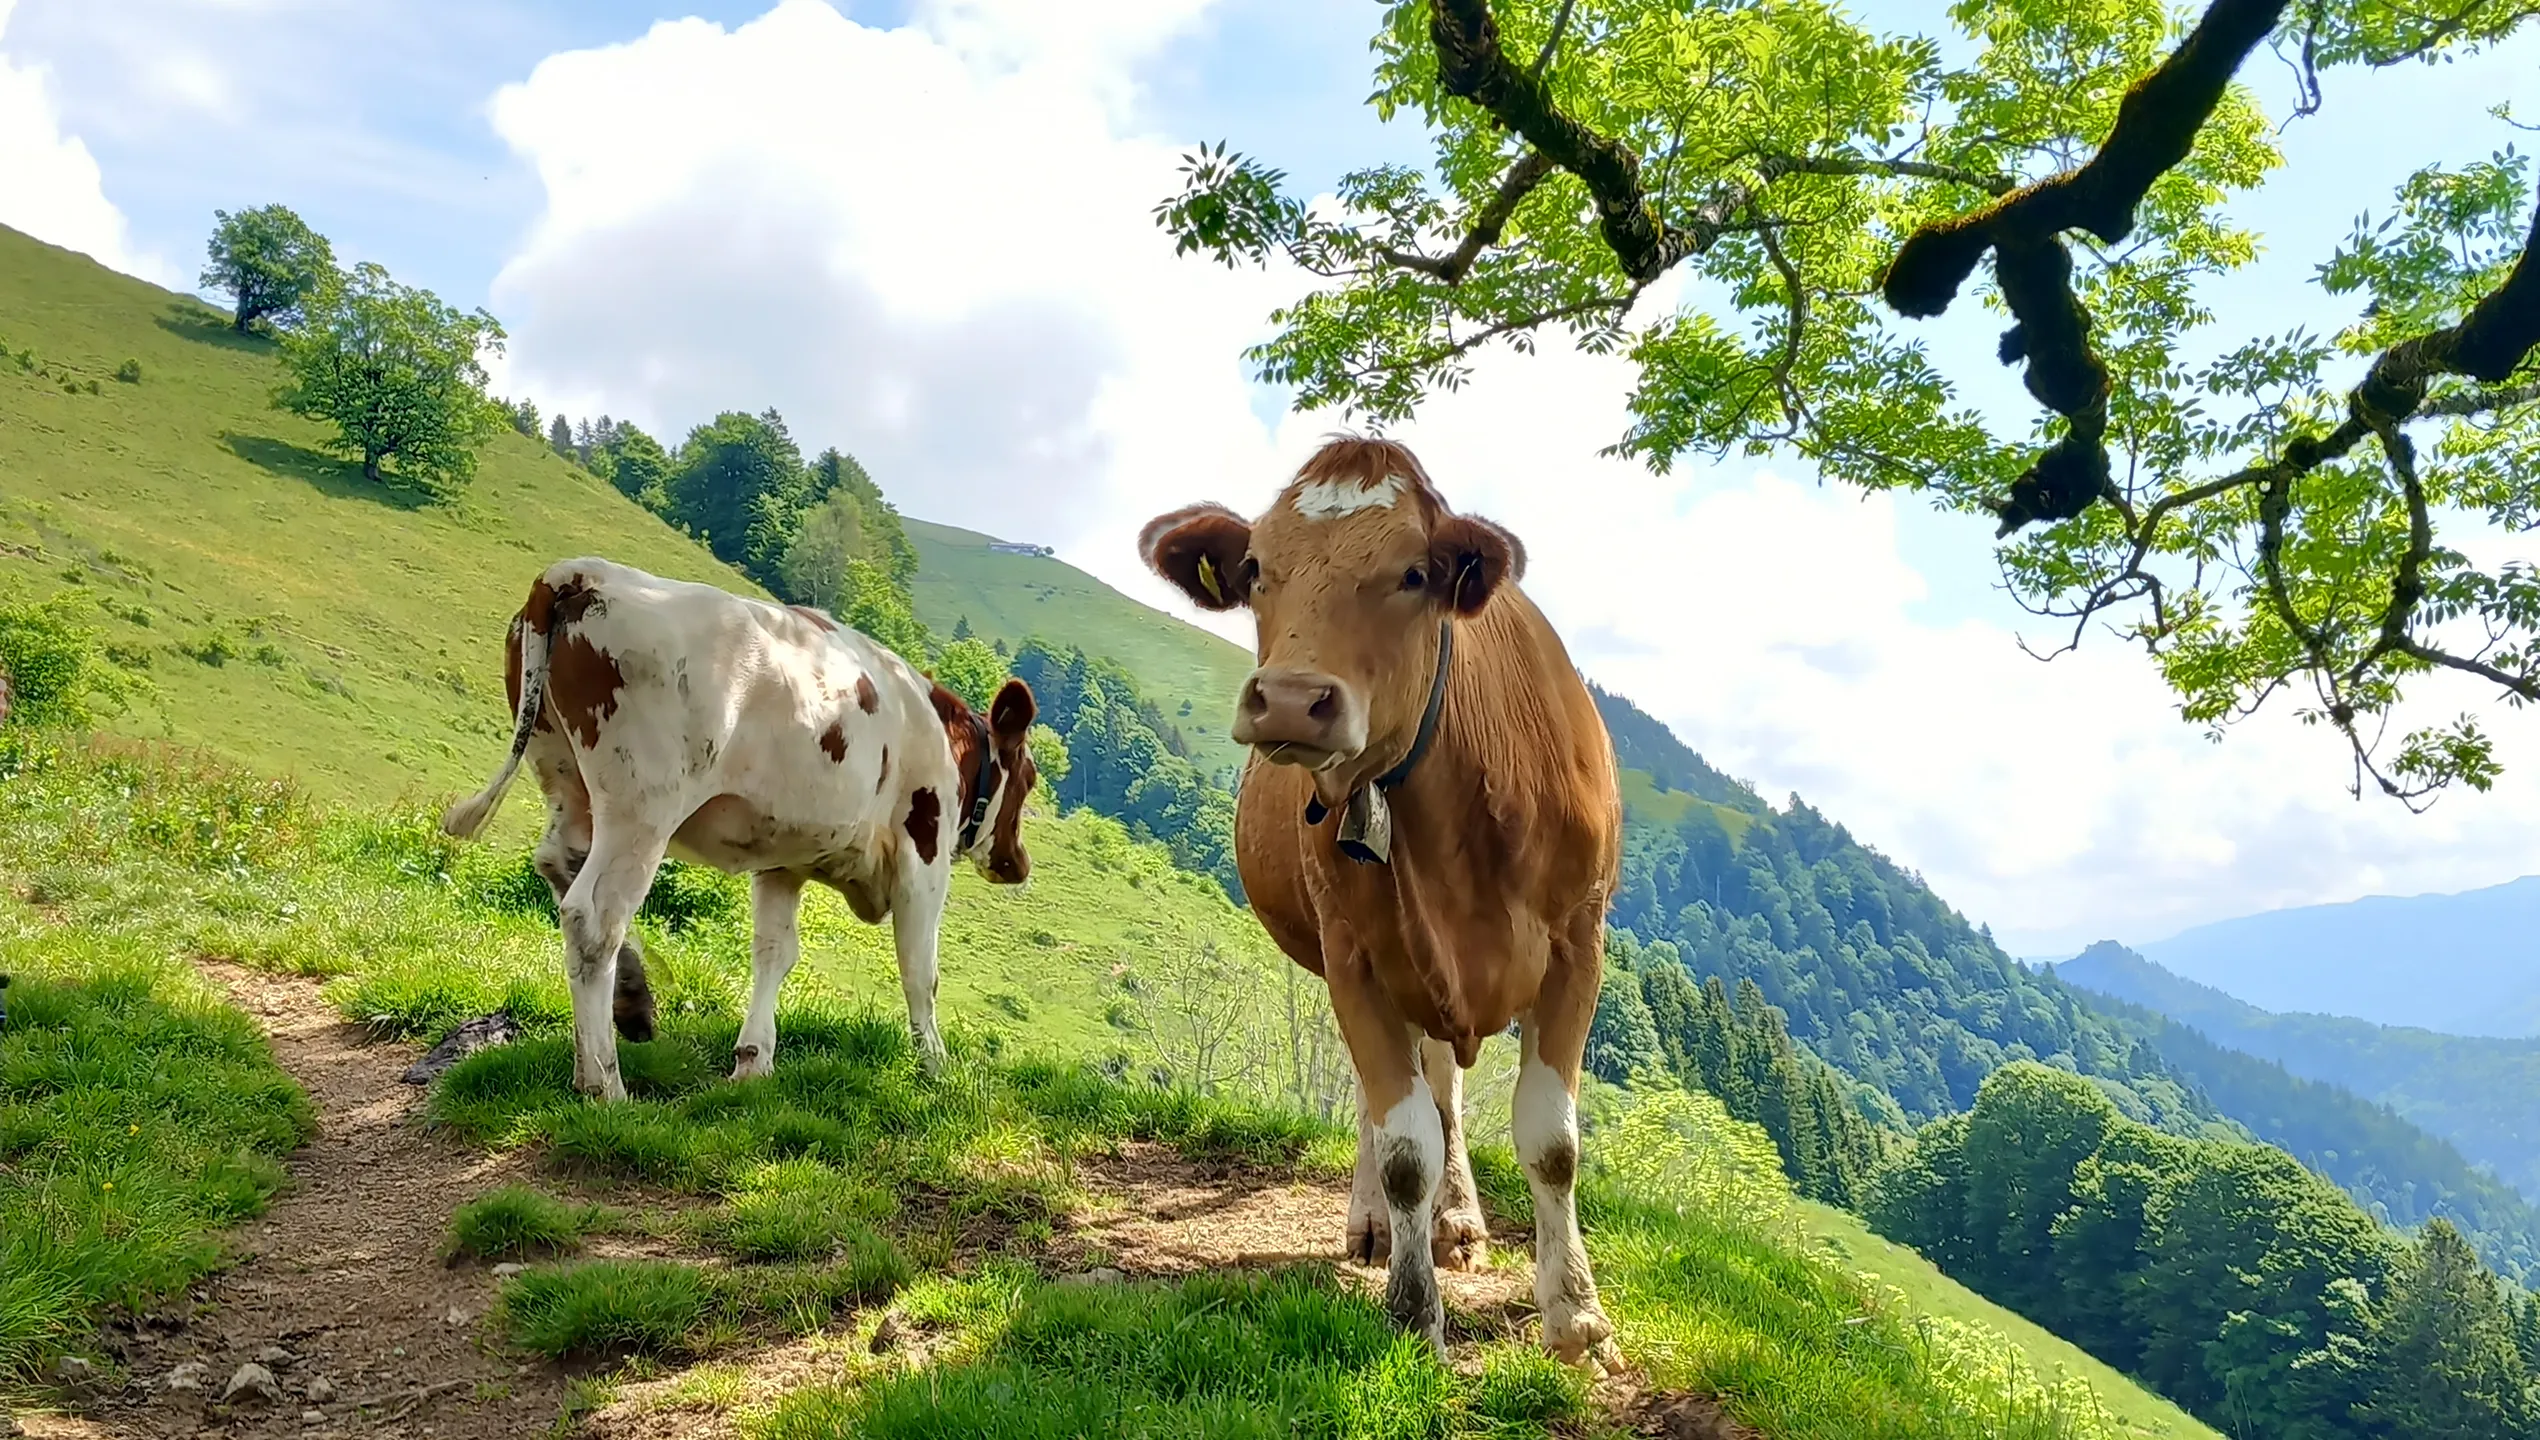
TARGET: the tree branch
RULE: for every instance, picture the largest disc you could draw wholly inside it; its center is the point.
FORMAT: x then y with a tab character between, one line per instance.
1521	181
2157	125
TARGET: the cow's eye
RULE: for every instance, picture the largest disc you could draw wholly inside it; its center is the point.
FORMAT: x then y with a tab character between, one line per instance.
1414	578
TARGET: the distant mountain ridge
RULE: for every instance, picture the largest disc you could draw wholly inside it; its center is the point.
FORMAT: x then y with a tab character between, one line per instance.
2461	964
2481	1093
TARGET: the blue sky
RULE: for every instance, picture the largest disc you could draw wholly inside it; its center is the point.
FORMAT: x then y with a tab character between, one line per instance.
775	208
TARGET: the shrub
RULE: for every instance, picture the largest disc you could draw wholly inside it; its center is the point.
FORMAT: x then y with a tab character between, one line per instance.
129	372
58	674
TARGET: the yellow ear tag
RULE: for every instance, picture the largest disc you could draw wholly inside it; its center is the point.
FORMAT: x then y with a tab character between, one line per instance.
1208	580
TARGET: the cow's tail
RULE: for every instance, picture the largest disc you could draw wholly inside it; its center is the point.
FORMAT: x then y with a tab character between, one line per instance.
468	816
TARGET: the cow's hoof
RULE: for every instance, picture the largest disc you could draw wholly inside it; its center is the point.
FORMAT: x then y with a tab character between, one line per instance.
1461	1241
1583	1337
608	1092
749	1062
1370	1239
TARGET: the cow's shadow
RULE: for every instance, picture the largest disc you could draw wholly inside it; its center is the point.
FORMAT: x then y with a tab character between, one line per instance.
324	473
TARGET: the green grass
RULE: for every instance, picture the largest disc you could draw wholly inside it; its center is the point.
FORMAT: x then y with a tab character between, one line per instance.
287	614
1929	1292
806	1200
517	1220
1278	1354
139	1116
1015	597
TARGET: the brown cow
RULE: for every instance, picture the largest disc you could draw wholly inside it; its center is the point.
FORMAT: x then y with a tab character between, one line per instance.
1430	821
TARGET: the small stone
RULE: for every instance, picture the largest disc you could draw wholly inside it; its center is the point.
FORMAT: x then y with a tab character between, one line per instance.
253	1381
275	1355
321	1390
312	1417
1099	1275
457	1316
192	1375
886	1336
508	1269
71	1370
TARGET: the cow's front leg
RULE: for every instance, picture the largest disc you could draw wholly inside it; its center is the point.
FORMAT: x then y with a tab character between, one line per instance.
917	923
595	913
1552	1041
1410	1142
776	900
1369	1238
1460	1236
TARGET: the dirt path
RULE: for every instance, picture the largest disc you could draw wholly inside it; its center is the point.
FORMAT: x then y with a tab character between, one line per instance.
339	1288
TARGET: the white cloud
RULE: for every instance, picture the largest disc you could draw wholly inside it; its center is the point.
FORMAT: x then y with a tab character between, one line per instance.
50	186
928	247
931	245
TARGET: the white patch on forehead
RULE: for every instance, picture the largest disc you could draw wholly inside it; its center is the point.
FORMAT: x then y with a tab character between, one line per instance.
1332	499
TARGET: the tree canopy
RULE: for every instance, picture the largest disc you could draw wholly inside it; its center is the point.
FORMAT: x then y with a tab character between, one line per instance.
1816	188
270	260
399	373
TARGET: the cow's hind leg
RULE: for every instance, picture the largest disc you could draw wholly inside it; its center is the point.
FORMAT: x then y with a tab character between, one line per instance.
559	858
776	900
1553	1039
1409	1141
1459	1235
596	910
917	923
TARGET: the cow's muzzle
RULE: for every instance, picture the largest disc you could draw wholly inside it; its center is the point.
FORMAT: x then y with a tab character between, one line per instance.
1300	717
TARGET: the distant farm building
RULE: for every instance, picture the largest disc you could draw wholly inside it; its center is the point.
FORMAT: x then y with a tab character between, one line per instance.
1016	547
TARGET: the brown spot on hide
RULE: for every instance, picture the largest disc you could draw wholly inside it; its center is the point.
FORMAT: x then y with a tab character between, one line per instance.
540	612
1560	1163
814	616
834	741
925	823
867	699
745	1053
884	778
1406	1184
582	683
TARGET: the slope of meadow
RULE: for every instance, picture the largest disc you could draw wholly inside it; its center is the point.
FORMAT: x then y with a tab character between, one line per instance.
1015	597
286	613
908	1237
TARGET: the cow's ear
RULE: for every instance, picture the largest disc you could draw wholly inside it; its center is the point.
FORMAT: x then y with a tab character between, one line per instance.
1201	550
1471	556
1010	714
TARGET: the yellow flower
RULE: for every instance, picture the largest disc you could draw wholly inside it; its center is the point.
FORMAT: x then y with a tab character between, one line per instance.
109	1185
136	1129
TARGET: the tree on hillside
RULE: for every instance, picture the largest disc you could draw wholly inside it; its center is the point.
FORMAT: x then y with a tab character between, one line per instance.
970	670
2223	499
270	260
2448	1367
399	374
635	463
738	483
560	436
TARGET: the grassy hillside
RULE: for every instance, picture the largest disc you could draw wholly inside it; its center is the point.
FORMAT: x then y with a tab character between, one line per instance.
811	1201
1014	597
286	613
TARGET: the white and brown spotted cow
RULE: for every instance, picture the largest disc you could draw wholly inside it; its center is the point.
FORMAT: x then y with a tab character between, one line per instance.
1429	820
663	717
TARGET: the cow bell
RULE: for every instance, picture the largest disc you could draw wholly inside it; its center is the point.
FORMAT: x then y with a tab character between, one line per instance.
1367	827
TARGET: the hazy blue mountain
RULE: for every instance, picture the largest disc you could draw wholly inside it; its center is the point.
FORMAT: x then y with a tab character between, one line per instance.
2466	964
2481	1093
